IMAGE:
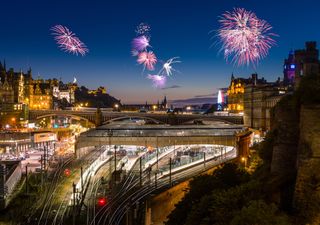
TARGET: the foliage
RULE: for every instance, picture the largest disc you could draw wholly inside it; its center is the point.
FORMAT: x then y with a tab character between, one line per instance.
258	212
265	148
222	205
201	187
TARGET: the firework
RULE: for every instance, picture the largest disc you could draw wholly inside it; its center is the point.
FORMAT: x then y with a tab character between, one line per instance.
68	41
167	66
158	80
134	52
244	37
143	29
148	59
140	43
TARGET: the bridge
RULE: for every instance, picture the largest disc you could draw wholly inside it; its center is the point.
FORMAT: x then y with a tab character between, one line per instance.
105	117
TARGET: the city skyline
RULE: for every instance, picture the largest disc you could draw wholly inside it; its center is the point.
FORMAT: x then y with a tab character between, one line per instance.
108	34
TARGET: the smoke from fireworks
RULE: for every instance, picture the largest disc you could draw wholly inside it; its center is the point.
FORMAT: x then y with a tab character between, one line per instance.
68	41
157	80
143	29
244	37
148	59
167	66
140	43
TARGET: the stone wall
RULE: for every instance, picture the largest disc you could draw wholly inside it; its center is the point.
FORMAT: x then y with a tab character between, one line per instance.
307	191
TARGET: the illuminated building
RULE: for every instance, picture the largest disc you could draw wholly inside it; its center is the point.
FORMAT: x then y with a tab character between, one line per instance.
236	92
99	90
12	113
289	69
64	91
39	98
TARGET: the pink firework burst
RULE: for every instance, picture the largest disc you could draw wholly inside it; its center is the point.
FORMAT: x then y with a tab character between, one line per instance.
158	81
140	43
68	41
148	59
244	37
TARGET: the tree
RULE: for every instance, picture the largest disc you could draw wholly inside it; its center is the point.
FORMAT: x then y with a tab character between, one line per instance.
201	187
260	213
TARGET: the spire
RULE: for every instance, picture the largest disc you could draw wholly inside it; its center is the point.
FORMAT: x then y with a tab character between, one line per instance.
6	85
232	77
4	65
165	102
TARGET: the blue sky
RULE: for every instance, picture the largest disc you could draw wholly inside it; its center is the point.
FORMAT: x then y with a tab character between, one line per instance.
179	28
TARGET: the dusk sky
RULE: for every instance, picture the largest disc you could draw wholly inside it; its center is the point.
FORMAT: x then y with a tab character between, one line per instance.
178	28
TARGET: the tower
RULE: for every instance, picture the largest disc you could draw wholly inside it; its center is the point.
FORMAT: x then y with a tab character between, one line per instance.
220	101
165	102
306	61
21	90
289	69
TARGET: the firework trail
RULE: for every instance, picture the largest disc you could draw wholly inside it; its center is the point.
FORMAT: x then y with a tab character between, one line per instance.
148	59
167	66
158	81
143	29
140	43
68	41
244	37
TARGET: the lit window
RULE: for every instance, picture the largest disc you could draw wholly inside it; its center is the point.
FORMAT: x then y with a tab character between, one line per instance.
292	66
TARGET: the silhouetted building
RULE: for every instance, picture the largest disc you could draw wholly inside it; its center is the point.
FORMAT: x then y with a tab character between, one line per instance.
306	61
289	69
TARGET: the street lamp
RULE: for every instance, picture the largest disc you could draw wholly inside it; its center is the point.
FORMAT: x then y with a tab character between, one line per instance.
154	107
116	106
244	160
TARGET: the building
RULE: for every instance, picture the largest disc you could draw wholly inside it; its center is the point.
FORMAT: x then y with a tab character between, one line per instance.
306	61
64	91
289	68
99	90
259	99
40	98
236	92
6	92
13	111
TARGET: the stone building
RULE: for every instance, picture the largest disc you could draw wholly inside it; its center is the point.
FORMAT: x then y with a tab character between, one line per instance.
306	61
65	91
236	92
40	97
258	102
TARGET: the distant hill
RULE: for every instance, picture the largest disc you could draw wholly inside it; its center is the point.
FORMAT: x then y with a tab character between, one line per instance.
99	99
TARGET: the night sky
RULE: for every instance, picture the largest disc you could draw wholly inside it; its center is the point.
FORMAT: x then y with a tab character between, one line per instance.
179	28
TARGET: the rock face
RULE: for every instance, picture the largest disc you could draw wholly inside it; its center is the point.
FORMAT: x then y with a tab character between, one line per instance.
285	125
295	162
307	188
